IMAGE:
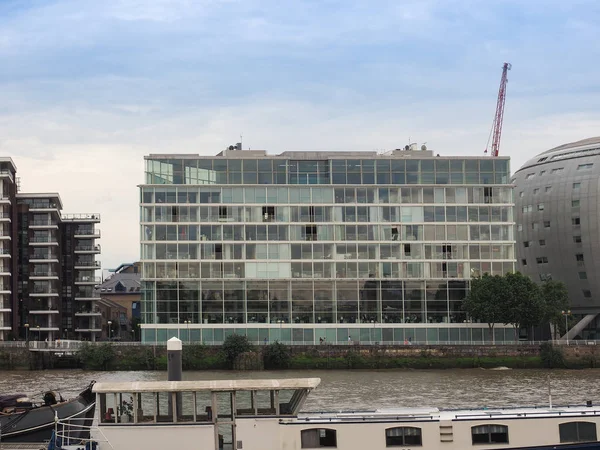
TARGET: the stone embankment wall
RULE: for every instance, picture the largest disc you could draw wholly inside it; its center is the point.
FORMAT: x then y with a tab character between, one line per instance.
199	357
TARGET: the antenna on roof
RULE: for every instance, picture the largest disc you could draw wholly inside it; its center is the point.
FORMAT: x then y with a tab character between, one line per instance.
241	141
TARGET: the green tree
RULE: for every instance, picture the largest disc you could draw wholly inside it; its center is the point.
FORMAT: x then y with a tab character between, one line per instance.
96	356
276	356
526	306
556	300
234	345
487	300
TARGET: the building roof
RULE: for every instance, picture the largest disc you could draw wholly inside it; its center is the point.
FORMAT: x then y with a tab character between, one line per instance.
120	284
42	195
576	144
578	149
207	385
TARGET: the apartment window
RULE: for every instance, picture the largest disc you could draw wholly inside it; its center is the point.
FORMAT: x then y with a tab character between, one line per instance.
536	191
546	224
403	436
542	260
585	166
489	434
577	432
576	221
557	170
542	172
540	207
545	277
542	242
579	257
577	239
534	226
548	189
575	203
582	275
587	293
521	194
520	227
318	438
526	244
527	208
524	262
576	186
529	176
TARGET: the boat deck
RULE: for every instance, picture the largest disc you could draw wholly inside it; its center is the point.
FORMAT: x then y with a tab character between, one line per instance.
23	446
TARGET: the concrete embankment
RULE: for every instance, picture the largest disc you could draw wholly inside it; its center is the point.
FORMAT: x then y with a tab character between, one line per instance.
199	357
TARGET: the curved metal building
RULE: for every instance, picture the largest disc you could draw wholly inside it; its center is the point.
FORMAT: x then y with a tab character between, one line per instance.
557	195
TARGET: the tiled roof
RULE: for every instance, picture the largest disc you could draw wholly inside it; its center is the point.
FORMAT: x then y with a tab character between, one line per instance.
120	283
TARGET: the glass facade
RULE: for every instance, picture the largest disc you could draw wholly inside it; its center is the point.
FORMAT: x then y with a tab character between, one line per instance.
377	249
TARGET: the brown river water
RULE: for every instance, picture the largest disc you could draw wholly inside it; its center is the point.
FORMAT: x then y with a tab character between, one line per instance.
360	390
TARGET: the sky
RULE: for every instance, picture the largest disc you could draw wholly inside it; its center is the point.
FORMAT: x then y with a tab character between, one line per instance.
87	87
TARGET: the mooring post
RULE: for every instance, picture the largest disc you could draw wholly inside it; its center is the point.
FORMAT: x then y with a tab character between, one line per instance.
174	370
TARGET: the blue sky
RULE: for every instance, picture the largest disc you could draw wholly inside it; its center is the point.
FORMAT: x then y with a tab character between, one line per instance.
88	87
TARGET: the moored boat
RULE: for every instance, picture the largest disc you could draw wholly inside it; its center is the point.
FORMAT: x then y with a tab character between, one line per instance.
23	420
266	415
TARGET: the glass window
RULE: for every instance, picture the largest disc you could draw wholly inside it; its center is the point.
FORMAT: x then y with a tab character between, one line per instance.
489	434
318	438
577	432
403	436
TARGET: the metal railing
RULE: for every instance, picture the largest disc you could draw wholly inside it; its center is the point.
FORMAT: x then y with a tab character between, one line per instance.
88	280
43	274
88	248
41	223
77	217
48	239
87	264
90	233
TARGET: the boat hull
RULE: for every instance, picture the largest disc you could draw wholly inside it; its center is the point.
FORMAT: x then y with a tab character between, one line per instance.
37	424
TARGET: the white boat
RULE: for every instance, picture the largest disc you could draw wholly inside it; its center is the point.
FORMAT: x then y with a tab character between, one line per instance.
266	415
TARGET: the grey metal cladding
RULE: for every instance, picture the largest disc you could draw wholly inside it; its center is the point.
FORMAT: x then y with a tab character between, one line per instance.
565	181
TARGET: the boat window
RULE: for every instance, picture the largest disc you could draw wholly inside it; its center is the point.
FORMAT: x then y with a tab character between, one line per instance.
145	404
116	408
489	434
403	436
577	432
318	437
285	402
224	402
244	403
265	402
204	411
185	408
164	406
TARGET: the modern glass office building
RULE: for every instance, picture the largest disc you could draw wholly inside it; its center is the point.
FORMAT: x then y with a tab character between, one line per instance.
302	247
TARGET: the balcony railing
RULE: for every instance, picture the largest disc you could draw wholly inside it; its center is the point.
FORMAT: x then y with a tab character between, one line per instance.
88	248
7	173
4	251
38	290
4	197
96	280
79	217
4	215
90	233
43	223
44	239
43	256
43	274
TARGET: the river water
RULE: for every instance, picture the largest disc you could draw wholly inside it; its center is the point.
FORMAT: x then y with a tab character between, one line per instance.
354	389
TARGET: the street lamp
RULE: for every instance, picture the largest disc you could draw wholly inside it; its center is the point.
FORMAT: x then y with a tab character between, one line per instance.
566	314
109	329
187	323
27	333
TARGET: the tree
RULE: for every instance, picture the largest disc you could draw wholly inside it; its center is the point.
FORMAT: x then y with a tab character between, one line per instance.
487	299
276	356
525	307
556	299
234	345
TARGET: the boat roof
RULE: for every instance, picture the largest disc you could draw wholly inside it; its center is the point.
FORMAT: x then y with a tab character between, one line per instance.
207	385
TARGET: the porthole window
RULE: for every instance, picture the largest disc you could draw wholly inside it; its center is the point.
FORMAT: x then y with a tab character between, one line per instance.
489	434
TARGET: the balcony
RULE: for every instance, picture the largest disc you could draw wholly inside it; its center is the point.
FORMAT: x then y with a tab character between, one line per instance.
37	275
82	249
86	265
43	207
90	218
87	330
43	311
4	253
7	174
88	280
88	313
4	290
45	291
87	234
40	241
5	307
43	224
87	296
5	271
4	200
43	258
4	217
5	236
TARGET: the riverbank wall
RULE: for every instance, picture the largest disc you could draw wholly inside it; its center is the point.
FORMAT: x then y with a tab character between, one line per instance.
199	357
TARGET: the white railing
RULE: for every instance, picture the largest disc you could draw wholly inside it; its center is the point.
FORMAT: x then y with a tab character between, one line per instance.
88	216
74	433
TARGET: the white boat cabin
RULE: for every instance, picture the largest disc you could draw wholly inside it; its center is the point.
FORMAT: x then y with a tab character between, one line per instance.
265	415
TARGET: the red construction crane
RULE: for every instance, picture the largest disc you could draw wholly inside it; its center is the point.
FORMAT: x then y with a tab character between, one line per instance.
497	125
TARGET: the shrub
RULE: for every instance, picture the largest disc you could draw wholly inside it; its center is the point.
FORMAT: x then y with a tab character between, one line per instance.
234	345
551	357
97	357
276	356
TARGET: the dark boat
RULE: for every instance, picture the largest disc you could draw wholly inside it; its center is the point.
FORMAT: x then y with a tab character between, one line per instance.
24	421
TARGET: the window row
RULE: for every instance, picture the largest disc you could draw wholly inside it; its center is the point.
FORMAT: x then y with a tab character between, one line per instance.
336	171
241	233
284	195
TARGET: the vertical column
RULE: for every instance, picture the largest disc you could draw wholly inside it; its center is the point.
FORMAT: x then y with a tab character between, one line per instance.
174	370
